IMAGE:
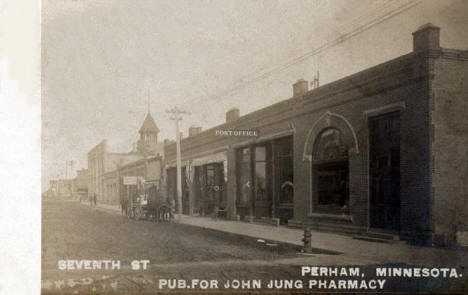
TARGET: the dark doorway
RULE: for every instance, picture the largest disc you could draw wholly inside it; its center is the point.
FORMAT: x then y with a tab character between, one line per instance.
332	187
185	192
172	184
283	179
198	190
262	181
384	139
210	188
254	181
330	173
172	188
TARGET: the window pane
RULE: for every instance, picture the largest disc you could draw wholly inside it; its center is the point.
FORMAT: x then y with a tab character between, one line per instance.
285	146
244	184
210	175
260	153
330	146
260	179
200	175
286	180
245	154
333	186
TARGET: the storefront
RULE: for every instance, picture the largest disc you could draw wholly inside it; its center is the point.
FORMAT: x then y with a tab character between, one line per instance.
265	180
203	184
209	189
357	155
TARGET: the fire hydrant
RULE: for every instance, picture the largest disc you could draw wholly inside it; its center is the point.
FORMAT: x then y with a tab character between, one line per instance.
307	240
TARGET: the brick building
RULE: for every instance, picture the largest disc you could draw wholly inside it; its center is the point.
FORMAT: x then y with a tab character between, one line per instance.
106	169
383	150
101	167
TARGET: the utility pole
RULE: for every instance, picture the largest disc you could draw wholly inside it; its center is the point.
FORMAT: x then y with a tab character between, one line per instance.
176	115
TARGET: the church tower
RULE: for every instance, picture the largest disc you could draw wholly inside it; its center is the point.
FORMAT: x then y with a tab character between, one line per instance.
147	144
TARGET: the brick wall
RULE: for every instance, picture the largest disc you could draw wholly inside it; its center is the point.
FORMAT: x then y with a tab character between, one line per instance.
449	118
428	86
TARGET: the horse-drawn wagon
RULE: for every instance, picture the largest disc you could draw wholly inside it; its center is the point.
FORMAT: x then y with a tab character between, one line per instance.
147	201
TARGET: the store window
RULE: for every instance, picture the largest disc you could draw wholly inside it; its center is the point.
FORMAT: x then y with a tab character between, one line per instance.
243	176
260	172
210	175
331	173
284	148
210	181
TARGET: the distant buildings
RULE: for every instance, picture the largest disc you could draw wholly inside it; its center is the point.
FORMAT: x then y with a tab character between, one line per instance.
60	188
107	169
80	184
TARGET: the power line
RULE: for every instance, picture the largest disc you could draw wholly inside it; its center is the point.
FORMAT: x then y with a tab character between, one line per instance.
296	60
367	12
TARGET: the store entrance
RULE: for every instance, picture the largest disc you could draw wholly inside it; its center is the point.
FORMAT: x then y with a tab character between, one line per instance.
254	181
384	137
330	172
262	181
210	191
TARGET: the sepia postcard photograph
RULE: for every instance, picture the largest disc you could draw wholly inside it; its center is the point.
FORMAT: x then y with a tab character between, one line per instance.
254	147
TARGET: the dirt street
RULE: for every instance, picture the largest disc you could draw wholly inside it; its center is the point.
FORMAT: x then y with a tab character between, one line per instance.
72	231
88	251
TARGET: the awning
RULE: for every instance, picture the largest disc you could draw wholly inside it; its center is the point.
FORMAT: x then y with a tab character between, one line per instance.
214	158
199	161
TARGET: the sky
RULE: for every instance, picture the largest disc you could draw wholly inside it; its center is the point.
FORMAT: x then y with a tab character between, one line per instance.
104	62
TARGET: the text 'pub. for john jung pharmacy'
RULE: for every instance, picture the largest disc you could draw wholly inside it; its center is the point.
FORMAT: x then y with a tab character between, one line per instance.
382	151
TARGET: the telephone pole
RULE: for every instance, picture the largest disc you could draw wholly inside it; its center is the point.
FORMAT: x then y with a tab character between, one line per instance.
176	115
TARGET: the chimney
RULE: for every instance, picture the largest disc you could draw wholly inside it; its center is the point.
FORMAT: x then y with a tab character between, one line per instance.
194	130
232	115
427	37
300	88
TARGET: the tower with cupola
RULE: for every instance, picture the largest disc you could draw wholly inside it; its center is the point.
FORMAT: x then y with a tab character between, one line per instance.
147	144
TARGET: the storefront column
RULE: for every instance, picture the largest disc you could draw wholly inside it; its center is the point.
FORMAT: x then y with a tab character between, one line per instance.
231	185
192	189
252	182
274	173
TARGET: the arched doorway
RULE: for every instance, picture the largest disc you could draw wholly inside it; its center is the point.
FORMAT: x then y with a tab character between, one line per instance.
330	172
331	146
